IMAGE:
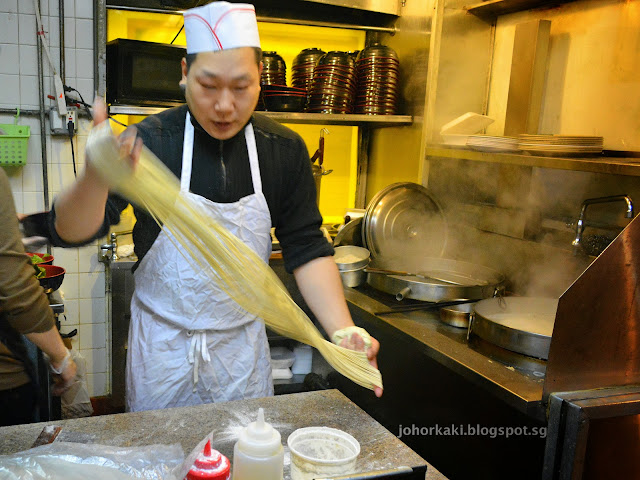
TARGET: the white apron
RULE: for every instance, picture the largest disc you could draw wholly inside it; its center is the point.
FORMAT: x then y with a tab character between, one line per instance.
189	343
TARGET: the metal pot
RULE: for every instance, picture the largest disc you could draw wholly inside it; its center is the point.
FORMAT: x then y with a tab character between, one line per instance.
353	278
351	257
457	315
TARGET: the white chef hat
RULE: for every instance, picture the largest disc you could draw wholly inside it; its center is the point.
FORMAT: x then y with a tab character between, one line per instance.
220	26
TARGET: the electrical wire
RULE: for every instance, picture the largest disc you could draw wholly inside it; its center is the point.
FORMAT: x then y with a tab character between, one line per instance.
70	129
182	27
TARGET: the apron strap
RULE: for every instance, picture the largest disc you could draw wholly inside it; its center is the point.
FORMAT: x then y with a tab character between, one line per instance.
197	350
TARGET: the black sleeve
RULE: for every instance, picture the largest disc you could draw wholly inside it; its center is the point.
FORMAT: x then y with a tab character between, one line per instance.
299	222
115	204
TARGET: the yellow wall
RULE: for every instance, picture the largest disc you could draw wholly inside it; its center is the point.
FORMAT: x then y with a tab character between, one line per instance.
338	188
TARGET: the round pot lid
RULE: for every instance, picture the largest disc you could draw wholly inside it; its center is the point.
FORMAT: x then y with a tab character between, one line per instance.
404	220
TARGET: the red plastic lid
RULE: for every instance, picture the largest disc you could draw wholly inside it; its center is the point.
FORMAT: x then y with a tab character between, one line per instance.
210	465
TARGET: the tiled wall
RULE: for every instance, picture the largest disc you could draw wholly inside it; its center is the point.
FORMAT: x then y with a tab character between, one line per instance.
84	283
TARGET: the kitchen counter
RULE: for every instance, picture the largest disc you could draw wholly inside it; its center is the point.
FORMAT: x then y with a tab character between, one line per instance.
189	425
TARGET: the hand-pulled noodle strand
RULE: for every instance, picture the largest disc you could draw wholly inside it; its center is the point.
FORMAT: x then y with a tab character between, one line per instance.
226	260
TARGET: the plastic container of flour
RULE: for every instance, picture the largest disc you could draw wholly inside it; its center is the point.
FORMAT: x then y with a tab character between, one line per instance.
321	451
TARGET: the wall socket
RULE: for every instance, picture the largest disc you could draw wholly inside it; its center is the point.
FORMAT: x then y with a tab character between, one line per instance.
59	122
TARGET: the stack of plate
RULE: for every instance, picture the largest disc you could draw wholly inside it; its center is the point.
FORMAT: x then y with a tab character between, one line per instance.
378	69
560	145
302	67
274	71
487	143
334	84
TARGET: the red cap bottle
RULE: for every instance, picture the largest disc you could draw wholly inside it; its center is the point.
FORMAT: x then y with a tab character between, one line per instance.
210	465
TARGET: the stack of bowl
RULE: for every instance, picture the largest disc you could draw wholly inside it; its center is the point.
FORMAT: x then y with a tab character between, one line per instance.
378	69
334	84
302	67
280	98
274	71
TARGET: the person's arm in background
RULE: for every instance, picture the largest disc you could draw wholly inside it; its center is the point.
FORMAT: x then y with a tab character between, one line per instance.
80	209
22	300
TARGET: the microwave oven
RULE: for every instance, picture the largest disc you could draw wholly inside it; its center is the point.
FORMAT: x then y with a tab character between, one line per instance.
144	73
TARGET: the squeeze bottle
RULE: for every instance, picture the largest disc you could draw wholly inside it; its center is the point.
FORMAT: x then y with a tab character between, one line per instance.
209	465
258	453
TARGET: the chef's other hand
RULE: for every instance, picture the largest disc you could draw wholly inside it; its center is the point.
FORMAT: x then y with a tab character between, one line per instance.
64	374
130	144
354	341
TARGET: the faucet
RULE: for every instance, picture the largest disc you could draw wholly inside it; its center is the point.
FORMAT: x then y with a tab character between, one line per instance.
583	211
108	250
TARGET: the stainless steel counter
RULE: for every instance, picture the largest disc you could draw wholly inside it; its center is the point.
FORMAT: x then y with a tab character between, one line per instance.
515	379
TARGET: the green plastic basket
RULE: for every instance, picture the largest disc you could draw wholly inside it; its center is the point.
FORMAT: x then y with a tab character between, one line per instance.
14	141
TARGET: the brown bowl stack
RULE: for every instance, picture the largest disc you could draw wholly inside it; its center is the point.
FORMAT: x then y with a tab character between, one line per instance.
378	70
302	67
333	86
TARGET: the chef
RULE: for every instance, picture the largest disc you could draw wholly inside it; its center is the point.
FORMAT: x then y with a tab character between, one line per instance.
189	343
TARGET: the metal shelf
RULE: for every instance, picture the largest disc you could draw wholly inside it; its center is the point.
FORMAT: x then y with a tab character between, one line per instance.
610	165
293	117
491	9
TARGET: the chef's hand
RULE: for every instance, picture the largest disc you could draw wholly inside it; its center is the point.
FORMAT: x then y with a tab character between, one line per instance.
64	374
130	144
356	342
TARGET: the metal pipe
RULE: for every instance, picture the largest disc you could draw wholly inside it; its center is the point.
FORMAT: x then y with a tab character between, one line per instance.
581	223
61	35
403	293
309	23
43	129
14	111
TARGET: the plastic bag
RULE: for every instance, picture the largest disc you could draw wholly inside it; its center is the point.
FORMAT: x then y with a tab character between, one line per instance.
75	461
76	402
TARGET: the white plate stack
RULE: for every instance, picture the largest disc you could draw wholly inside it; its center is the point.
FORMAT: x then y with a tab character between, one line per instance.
488	143
560	145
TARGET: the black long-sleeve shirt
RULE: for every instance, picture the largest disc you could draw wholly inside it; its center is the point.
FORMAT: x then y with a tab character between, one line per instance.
221	173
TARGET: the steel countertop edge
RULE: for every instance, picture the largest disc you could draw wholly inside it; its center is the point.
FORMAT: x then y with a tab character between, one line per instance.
515	388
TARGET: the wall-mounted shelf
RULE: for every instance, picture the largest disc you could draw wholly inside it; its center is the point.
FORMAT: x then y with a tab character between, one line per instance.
494	8
609	165
293	117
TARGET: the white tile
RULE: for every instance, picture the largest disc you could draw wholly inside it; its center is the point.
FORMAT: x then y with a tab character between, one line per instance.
96	360
10	91
97	384
9	59
84	63
28	60
84	9
75	341
53	33
66	257
29	91
32	178
93	310
91	285
26	6
69	31
9	6
8	28
70	71
70	286
84	33
88	260
60	150
17	201
53	8
15	179
71	309
26	29
69	8
93	335
34	151
33	202
60	176
86	88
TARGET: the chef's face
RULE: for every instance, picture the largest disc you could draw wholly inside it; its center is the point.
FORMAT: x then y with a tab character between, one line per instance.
222	89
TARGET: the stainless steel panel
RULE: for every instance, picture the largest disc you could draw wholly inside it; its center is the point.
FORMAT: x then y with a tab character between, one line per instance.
596	338
122	289
391	7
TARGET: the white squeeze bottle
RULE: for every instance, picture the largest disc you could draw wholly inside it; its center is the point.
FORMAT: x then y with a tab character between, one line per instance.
258	454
